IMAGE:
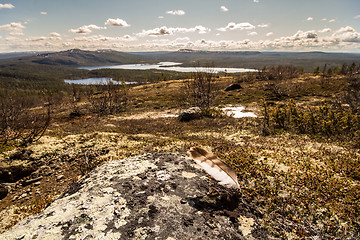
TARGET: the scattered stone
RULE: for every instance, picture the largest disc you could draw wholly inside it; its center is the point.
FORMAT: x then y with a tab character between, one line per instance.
232	87
30	181
9	186
60	177
190	114
24	195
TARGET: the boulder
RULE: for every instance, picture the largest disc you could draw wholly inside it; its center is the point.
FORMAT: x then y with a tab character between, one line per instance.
190	114
151	196
3	191
15	173
232	87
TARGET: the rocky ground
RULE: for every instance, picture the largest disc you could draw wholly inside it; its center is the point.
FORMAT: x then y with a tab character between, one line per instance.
151	196
293	186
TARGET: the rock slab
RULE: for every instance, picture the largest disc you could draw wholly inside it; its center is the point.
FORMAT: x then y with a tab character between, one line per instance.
190	114
151	196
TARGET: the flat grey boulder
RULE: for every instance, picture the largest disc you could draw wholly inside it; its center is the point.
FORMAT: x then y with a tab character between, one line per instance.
190	114
152	196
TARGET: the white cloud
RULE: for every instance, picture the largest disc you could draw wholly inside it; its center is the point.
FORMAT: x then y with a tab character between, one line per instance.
310	19
6	5
263	25
325	30
346	34
36	39
176	12
269	34
161	17
300	35
104	39
252	34
171	31
324	19
55	34
357	17
332	20
43	13
15	28
345	30
86	29
237	26
256	1
156	32
12	39
117	22
224	9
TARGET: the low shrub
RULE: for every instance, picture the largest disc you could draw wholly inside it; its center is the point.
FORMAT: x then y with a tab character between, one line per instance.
326	120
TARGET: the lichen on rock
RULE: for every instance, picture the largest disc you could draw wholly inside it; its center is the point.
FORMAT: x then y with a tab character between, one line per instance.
151	196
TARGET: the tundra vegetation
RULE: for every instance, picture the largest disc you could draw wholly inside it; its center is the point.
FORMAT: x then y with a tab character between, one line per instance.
298	163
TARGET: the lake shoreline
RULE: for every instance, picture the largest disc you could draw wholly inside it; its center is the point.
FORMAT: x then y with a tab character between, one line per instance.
170	66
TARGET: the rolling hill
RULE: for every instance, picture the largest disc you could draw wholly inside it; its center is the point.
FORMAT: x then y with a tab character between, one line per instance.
245	59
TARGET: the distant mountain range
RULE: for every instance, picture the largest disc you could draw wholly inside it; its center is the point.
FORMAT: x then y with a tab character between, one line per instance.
245	59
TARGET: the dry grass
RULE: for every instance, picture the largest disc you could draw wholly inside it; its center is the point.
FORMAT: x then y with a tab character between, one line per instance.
300	186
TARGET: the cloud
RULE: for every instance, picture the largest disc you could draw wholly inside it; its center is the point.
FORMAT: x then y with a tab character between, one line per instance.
237	26
357	17
346	34
86	29
332	20
15	28
117	22
55	34
156	32
325	30
104	39
310	19
36	39
7	6
256	1
224	9
161	17
43	13
171	31
304	35
252	34
345	30
269	34
263	25
176	12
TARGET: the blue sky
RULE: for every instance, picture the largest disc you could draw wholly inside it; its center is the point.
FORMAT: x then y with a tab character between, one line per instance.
153	25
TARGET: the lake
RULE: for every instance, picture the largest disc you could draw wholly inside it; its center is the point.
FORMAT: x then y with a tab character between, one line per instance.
95	81
171	66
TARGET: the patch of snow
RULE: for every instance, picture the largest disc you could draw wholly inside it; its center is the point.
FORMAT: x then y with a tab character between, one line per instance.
237	112
169	115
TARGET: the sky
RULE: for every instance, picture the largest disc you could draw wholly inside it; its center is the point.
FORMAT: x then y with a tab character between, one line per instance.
170	25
